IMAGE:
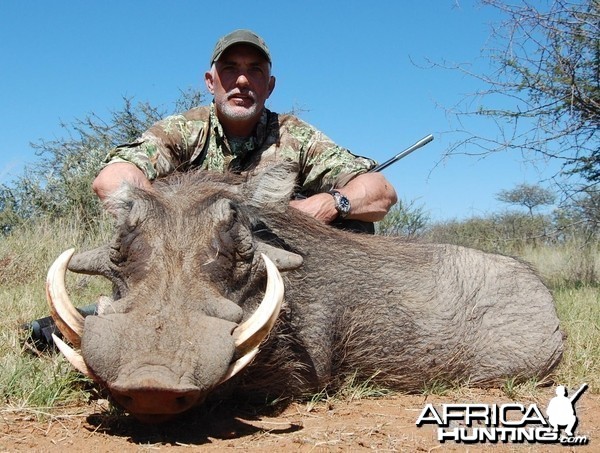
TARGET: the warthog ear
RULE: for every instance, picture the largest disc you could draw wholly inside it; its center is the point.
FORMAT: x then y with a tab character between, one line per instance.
98	262
272	187
283	259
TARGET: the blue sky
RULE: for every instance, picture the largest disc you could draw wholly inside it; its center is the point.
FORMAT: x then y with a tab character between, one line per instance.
359	69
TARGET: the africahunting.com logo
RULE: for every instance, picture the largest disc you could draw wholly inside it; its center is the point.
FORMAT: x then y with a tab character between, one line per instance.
513	422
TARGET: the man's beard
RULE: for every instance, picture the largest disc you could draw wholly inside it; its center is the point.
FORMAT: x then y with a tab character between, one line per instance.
236	112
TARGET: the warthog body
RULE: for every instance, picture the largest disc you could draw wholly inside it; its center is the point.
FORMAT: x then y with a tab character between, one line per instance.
185	261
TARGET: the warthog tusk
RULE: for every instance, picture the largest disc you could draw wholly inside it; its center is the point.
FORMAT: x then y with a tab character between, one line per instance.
239	365
72	356
68	319
253	331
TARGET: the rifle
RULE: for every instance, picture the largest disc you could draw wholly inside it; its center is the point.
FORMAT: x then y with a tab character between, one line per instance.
387	163
403	154
369	227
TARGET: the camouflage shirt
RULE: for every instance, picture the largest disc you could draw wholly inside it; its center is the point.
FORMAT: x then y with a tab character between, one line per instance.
195	139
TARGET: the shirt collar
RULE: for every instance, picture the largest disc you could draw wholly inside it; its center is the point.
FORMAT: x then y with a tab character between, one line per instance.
240	147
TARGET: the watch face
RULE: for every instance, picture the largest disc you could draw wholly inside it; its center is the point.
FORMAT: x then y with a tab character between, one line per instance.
344	204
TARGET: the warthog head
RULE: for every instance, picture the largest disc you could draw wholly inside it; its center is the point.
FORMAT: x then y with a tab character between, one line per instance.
189	274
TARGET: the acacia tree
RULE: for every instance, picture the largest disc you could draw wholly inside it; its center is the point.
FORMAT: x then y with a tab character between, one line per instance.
583	212
529	195
543	90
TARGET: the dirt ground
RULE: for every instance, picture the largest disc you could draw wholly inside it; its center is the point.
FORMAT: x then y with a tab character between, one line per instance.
383	424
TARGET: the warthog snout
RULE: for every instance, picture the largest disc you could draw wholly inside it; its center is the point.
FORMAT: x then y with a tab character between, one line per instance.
155	396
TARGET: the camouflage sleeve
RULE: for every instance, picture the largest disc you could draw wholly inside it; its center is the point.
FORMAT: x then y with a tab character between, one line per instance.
327	165
164	148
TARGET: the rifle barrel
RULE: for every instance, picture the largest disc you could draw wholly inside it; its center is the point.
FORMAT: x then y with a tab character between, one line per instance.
403	154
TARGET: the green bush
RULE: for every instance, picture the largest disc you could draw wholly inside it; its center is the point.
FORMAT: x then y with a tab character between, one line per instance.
508	232
59	184
404	219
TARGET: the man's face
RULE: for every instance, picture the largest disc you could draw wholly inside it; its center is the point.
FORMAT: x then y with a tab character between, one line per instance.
241	82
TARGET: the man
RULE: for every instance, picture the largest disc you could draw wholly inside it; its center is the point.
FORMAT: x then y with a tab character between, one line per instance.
237	133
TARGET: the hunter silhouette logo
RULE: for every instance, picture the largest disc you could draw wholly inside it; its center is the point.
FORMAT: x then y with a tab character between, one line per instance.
511	422
561	409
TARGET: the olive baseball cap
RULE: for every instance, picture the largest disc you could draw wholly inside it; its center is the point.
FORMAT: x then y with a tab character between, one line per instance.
240	37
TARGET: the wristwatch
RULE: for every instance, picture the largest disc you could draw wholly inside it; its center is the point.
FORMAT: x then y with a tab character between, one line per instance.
342	204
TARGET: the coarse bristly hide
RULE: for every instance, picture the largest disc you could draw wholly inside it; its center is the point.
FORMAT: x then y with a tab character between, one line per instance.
200	263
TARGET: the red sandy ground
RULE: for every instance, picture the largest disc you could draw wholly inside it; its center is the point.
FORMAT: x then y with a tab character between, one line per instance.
384	424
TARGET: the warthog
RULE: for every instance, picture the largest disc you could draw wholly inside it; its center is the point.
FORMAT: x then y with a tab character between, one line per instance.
190	261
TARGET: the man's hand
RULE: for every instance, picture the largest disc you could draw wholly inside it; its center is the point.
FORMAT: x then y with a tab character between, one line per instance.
320	206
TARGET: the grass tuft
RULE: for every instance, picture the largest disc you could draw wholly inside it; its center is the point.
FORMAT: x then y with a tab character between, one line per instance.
579	313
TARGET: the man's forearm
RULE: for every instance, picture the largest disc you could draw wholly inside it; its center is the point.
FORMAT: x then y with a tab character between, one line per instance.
112	177
370	194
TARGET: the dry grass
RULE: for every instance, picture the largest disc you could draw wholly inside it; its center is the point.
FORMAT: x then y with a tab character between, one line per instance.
27	380
572	271
573	263
579	312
